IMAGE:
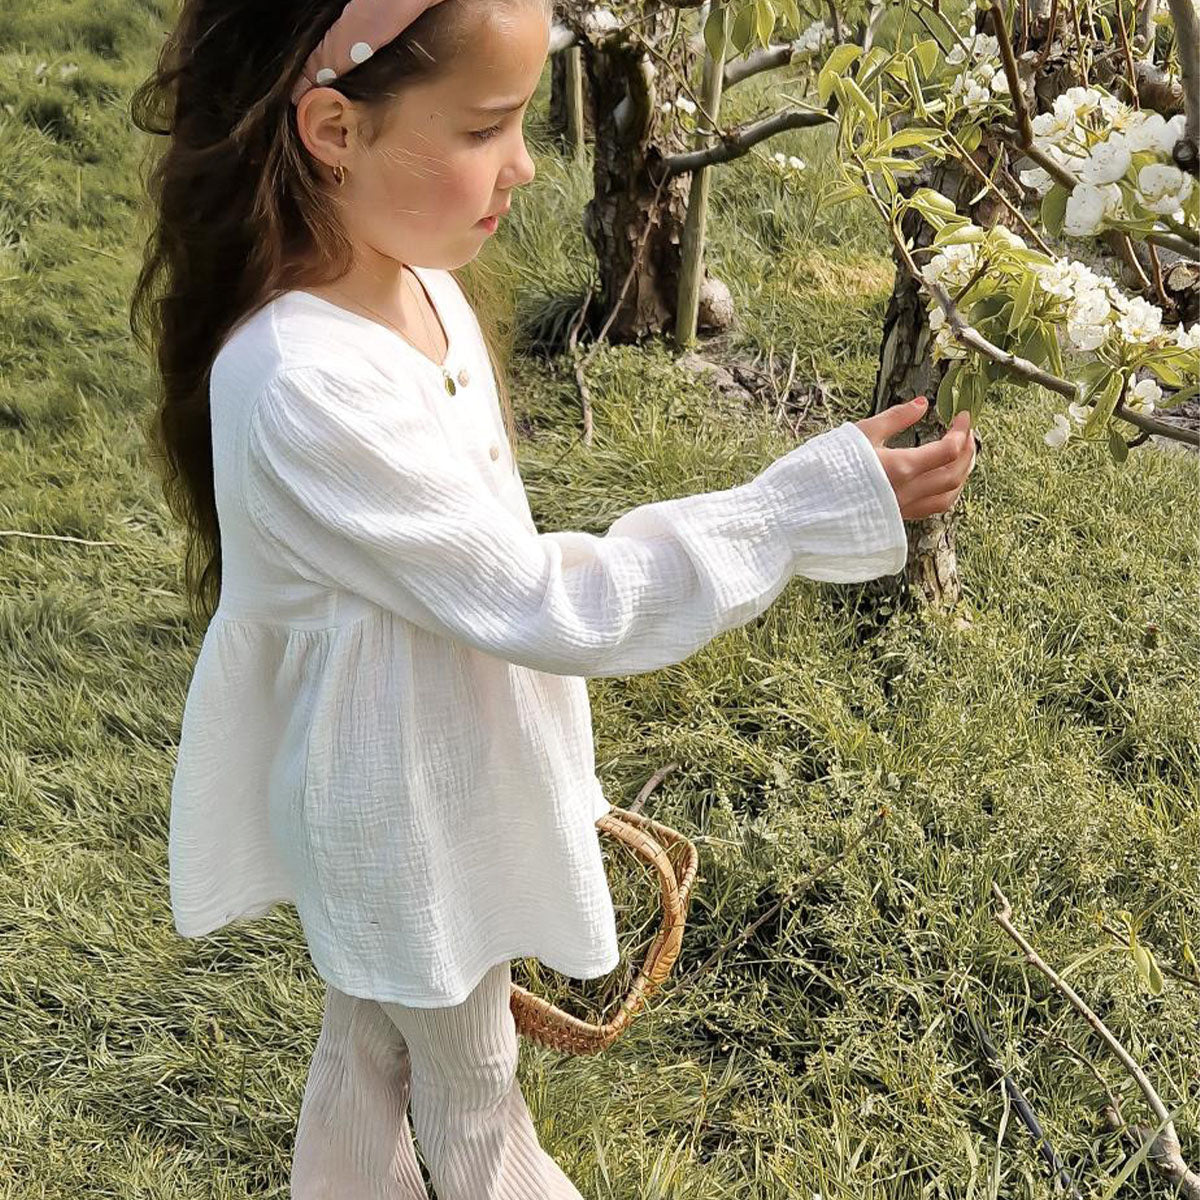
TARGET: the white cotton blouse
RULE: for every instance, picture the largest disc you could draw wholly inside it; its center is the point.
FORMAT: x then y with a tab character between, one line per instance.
388	723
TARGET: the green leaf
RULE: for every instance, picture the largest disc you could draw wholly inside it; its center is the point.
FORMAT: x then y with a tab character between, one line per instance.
715	34
958	236
859	97
874	62
912	135
1034	347
1054	209
927	200
947	394
743	29
764	21
1167	372
840	57
914	87
1118	447
928	53
842	192
971	137
1141	959
1053	348
1022	301
1105	403
1156	979
791	12
1093	374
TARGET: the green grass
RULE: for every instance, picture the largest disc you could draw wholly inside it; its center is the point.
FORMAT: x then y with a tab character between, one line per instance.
1044	747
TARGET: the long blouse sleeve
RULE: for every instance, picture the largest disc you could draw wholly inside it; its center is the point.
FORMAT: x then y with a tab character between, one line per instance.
359	488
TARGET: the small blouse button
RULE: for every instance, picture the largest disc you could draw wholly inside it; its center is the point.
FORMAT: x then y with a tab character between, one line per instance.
494	451
463	377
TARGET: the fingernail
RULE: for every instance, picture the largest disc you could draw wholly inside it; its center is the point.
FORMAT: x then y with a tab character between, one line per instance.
920	402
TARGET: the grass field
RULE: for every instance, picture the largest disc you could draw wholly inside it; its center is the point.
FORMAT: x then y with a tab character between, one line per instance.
1051	746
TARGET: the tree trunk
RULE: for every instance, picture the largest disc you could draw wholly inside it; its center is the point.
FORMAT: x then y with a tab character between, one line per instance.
558	119
631	136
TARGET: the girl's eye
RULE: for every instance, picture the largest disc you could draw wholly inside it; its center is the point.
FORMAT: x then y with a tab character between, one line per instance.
485	135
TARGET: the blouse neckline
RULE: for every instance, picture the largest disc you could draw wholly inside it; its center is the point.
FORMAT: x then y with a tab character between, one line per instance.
359	318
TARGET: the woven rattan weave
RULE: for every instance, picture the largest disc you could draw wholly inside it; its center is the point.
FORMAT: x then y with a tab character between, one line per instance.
542	1021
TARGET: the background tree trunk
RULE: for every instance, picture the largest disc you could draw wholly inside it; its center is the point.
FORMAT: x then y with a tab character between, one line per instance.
558	101
630	137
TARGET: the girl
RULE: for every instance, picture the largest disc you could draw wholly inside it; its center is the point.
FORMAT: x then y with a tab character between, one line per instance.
388	723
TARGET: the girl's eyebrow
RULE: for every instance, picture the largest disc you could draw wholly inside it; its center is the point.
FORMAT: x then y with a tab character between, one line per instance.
502	107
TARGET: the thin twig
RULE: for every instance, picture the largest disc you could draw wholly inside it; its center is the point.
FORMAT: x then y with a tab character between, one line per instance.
1130	73
991	1056
1051	29
966	157
1167	1150
54	537
1156	271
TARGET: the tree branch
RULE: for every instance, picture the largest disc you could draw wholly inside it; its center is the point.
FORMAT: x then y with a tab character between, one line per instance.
737	69
969	336
738	142
1167	1151
1187	47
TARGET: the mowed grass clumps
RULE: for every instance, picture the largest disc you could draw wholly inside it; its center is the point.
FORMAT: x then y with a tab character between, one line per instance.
1049	746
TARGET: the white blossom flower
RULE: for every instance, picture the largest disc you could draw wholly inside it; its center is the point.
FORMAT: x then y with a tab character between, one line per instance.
685	105
1079	412
1141	321
1108	160
1056	278
1188	339
980	46
999	83
976	96
953	266
1055	127
1143	396
1151	131
1088	324
1083	100
1163	188
1059	432
813	38
1038	179
1086	206
797	164
1116	297
1091	307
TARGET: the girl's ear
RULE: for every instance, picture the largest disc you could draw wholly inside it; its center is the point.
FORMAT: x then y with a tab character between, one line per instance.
323	118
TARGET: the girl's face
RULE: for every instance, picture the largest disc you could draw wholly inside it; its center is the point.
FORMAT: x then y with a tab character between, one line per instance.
451	151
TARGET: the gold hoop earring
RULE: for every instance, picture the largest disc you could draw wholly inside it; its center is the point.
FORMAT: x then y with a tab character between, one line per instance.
339	174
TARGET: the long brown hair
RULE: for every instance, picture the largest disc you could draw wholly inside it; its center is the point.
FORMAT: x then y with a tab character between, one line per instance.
240	215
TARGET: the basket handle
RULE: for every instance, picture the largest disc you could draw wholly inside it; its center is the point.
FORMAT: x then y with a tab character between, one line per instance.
644	837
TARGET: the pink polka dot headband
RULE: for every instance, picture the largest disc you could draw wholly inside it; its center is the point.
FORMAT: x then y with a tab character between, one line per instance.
363	27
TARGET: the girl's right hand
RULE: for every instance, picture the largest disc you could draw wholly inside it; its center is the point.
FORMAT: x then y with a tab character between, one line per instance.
928	478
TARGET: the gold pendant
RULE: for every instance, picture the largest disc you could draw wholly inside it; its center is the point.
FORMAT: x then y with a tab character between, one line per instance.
450	385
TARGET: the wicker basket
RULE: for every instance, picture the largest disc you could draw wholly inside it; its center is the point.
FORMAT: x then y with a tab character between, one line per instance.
541	1021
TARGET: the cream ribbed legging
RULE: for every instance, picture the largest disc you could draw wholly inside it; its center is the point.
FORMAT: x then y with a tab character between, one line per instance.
459	1068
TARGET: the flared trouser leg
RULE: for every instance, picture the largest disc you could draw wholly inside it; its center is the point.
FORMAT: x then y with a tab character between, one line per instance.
456	1068
470	1117
353	1139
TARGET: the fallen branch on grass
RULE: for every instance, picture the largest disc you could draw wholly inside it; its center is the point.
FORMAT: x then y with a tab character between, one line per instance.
1165	1152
